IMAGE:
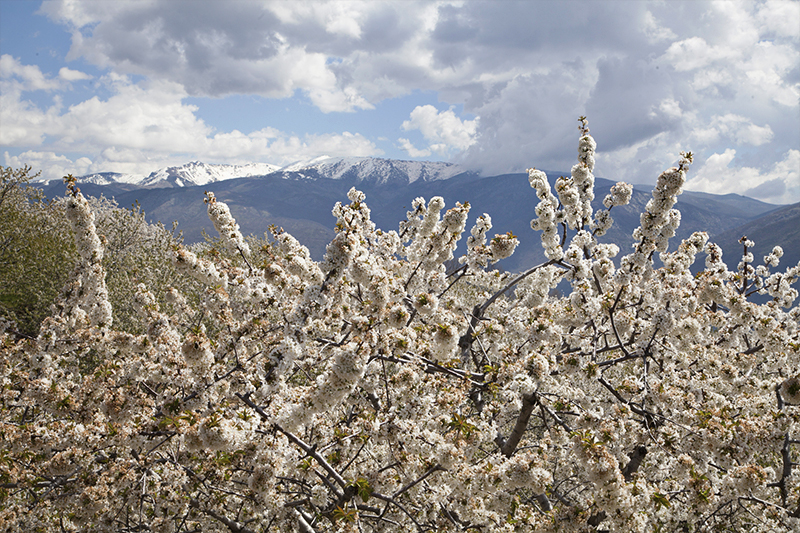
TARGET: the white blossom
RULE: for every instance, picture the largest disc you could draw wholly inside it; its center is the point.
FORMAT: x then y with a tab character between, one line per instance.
378	390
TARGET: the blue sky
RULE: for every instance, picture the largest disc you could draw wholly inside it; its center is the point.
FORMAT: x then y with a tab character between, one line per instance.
133	86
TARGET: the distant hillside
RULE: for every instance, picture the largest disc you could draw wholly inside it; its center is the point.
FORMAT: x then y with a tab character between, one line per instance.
780	227
302	206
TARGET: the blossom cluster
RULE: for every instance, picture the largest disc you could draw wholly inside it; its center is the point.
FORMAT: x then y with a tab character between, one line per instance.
384	389
90	288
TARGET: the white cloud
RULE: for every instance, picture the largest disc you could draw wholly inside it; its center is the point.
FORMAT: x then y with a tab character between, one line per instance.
732	128
22	123
412	150
668	108
67	74
768	72
444	131
746	50
779	184
711	79
653	77
75	13
346	99
780	17
743	131
150	117
29	77
343	20
269	146
236	47
640	162
142	127
281	149
695	53
52	165
655	31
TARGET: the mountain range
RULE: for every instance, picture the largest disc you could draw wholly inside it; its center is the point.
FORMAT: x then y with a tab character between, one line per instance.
299	198
360	169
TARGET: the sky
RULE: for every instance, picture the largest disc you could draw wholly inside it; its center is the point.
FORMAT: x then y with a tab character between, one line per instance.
495	86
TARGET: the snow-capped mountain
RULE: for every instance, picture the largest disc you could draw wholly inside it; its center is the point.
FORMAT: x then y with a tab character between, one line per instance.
197	173
375	170
299	197
107	178
190	174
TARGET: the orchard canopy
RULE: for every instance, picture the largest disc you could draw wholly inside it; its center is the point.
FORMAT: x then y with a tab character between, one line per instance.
393	387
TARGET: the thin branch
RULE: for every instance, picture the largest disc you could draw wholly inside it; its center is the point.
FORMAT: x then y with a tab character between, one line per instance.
554	416
431	470
310	450
234	526
482	309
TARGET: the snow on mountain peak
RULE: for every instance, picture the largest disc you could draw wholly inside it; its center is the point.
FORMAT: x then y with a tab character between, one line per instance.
373	168
197	173
324	167
107	178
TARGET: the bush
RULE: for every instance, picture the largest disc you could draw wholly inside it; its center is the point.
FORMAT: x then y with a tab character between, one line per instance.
38	255
37	251
372	391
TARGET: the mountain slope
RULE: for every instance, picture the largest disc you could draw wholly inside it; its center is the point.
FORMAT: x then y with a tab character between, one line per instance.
372	169
302	206
356	169
780	227
197	173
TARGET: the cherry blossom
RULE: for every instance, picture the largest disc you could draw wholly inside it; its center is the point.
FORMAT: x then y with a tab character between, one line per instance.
383	389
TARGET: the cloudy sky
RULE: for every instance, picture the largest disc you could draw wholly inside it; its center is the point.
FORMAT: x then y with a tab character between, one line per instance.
497	86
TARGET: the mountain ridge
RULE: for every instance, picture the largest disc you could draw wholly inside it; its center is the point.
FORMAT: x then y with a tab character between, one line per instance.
302	206
197	173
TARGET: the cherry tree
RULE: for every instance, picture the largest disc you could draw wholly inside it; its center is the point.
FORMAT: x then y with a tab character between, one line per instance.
377	390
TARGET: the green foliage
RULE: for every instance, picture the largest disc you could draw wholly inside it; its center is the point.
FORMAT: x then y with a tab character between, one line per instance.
38	255
362	487
37	251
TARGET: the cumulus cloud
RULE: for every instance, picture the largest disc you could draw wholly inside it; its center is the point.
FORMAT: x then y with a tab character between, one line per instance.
734	128
444	132
778	184
273	146
411	150
778	17
654	78
27	77
655	31
531	120
52	165
695	53
142	127
270	49
67	74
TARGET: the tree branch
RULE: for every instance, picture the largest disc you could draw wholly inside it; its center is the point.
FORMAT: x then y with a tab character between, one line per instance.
233	525
310	450
635	460
528	403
